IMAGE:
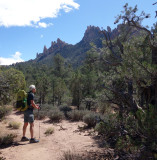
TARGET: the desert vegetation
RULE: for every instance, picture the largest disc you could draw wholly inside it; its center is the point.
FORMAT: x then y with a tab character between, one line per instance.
114	91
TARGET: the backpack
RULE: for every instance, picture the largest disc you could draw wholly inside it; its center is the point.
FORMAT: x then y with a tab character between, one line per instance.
21	101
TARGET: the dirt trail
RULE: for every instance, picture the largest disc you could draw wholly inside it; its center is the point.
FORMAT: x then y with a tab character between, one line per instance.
65	137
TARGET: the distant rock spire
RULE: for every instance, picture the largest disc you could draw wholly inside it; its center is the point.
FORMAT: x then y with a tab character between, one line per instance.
91	32
45	50
109	29
37	55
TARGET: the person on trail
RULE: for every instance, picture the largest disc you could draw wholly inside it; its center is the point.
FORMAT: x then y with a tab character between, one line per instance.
29	116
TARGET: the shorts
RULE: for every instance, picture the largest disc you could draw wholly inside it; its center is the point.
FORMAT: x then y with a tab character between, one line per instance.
28	116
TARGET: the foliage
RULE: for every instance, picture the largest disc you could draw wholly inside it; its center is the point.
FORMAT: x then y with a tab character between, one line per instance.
40	114
49	131
14	125
76	88
2	158
47	107
42	83
4	111
90	119
76	115
55	115
108	126
119	71
11	80
64	108
7	139
69	155
59	89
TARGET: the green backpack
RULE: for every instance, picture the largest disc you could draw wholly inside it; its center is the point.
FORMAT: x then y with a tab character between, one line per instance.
21	101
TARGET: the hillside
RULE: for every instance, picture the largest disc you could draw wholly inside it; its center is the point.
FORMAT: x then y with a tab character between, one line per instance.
74	54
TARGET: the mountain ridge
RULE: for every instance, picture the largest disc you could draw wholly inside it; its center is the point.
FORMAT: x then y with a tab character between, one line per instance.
74	54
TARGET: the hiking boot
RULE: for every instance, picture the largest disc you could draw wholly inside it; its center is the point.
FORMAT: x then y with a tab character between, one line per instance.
33	140
23	139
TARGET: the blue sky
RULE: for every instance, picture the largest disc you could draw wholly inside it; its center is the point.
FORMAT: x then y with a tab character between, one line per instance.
27	25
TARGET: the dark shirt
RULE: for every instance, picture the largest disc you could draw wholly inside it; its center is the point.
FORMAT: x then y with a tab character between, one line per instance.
29	98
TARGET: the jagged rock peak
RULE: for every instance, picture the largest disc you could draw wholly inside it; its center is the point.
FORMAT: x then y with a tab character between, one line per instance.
109	29
92	28
45	50
91	32
59	42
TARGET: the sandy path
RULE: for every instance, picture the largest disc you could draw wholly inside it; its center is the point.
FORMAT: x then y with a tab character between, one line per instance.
51	147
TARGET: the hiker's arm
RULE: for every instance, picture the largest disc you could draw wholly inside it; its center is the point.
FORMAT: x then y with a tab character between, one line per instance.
34	105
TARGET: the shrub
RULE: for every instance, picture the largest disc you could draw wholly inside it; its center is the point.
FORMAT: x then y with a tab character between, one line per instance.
77	115
14	125
67	99
7	139
55	115
40	115
100	128
4	111
5	121
82	106
47	107
109	126
69	155
49	131
64	108
103	107
90	119
2	158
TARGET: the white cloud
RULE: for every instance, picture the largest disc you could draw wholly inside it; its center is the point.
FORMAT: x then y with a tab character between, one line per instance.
41	36
43	25
8	61
31	12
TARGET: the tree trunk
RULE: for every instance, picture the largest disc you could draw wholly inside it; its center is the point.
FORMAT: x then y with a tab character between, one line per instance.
154	79
53	99
154	55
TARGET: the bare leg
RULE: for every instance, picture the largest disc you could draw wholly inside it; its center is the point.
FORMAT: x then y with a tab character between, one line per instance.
32	129
24	128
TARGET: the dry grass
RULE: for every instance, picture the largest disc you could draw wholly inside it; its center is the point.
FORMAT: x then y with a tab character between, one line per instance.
2	158
4	111
14	125
7	138
71	155
49	131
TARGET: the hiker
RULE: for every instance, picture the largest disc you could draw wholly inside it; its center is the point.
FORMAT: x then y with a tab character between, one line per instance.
29	116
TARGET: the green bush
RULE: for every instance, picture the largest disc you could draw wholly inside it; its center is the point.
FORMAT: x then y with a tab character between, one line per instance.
82	106
67	99
40	115
4	111
77	115
104	107
100	128
90	119
14	125
109	126
55	115
7	139
49	131
64	108
47	107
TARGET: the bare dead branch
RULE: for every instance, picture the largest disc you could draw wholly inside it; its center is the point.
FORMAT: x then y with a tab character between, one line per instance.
110	45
